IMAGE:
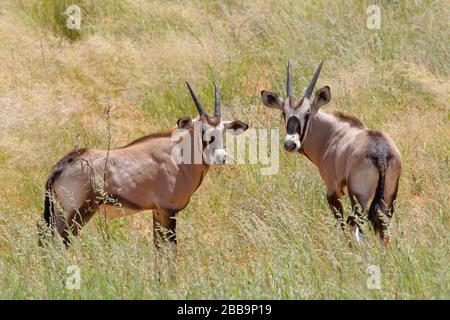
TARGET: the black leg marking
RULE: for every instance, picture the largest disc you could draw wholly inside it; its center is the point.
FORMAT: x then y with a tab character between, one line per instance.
337	208
164	227
358	210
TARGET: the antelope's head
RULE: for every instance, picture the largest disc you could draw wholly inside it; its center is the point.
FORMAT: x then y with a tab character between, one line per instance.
297	113
212	128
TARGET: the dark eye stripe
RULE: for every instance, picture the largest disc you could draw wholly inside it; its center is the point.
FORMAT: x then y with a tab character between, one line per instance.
293	126
305	126
207	143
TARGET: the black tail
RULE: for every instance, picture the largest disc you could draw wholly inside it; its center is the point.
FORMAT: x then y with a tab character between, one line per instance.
48	216
48	207
378	203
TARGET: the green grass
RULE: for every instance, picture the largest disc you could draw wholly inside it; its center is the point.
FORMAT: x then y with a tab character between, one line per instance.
243	235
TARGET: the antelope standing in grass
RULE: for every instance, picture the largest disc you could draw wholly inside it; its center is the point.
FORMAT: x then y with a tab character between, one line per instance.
139	176
351	159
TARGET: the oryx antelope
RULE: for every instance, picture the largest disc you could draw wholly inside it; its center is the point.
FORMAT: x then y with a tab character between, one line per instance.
139	176
351	159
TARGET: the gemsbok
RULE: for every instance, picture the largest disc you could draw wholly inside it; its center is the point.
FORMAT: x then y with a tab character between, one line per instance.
351	159
142	175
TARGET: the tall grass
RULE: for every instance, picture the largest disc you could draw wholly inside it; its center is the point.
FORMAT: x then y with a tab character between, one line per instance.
243	235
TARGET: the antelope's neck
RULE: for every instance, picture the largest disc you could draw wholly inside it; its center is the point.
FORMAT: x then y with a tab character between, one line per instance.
197	171
320	131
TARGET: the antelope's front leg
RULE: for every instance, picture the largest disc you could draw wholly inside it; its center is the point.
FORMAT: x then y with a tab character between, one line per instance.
336	207
164	229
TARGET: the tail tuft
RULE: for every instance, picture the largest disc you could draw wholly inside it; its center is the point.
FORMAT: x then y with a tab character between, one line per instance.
378	203
48	209
48	216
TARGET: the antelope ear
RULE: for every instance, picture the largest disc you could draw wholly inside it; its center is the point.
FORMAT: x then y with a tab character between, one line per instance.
236	127
271	100
184	123
322	97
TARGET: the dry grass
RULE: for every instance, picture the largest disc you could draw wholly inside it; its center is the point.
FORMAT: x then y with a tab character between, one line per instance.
243	235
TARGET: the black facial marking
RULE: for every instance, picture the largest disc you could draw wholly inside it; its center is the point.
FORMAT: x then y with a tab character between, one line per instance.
305	127
205	143
293	126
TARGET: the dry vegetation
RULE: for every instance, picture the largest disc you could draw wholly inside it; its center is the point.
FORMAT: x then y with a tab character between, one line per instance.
243	235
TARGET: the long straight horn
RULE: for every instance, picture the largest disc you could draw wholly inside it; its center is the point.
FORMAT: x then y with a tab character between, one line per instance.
198	105
216	101
312	84
289	80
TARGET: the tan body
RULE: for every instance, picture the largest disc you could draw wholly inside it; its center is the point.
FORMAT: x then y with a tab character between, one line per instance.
343	150
163	184
138	177
352	160
146	174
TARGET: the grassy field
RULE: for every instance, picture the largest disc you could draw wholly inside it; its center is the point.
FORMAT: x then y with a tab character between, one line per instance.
243	235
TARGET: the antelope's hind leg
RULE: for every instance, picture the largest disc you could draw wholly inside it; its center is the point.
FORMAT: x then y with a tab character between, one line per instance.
83	215
357	219
74	205
70	222
362	184
389	196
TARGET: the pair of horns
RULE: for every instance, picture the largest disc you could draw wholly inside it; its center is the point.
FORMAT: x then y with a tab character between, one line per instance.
199	106
311	86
